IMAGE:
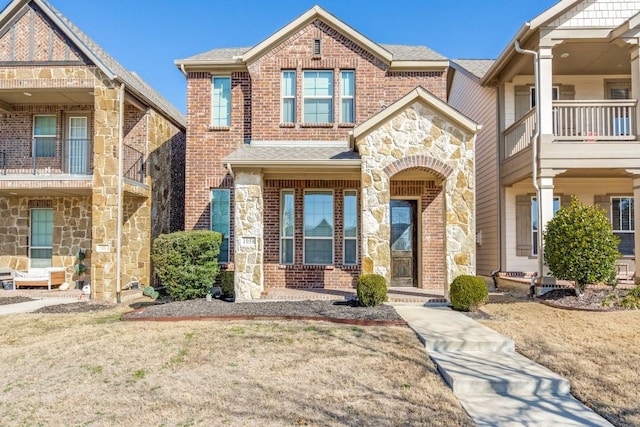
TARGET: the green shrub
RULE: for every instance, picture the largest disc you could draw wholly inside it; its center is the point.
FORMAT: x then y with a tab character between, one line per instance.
226	283
467	293
610	300
629	302
371	290
187	262
635	292
579	245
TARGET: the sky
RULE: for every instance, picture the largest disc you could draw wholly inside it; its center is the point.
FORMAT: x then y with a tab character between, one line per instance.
146	36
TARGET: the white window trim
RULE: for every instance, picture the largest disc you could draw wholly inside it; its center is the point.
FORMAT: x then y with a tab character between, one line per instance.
228	77
344	237
304	234
228	216
31	247
283	96
351	97
533	238
611	214
282	236
553	88
331	97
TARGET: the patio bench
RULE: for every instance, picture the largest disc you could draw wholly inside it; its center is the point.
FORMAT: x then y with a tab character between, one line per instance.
40	277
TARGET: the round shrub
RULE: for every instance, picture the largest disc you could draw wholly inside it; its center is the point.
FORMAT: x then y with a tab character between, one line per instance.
467	293
226	283
371	289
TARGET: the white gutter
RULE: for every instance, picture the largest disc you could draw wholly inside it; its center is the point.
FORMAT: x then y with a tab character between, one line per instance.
534	146
119	195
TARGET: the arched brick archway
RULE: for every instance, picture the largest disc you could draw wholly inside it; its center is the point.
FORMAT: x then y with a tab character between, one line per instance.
438	167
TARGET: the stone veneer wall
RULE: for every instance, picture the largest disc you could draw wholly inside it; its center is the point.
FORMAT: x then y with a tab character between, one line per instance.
71	231
418	132
249	250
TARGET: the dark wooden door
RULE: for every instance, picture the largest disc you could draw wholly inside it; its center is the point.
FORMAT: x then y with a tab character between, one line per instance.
403	243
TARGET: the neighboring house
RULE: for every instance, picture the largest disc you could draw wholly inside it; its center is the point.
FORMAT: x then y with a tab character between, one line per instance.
588	146
321	155
91	157
479	103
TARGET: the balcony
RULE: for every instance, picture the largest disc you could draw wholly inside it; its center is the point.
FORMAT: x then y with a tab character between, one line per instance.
46	157
598	121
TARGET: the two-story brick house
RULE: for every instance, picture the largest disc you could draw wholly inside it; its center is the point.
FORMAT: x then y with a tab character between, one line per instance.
91	157
321	155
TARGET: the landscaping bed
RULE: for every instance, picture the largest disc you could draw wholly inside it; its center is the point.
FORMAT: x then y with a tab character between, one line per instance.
594	298
14	300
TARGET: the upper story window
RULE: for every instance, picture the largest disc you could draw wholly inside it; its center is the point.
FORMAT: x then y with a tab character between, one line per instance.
347	90
44	136
555	95
318	96
288	97
623	225
221	102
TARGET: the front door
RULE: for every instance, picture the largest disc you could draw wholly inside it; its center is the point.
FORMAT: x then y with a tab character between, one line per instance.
403	243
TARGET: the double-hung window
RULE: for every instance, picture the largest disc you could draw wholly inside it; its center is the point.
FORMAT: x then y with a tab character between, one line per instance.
221	102
347	90
220	220
622	210
318	227
287	227
534	221
288	96
318	96
44	136
350	219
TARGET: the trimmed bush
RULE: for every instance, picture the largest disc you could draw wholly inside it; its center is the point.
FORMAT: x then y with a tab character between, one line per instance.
371	290
579	245
226	283
187	262
467	293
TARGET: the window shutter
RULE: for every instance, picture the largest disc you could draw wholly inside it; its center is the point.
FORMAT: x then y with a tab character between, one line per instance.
565	201
604	202
522	101
523	225
567	92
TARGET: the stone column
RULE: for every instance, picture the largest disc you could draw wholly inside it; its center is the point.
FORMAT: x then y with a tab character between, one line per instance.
376	223
248	237
546	214
104	200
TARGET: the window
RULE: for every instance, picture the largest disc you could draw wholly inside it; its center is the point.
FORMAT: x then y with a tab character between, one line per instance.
623	225
317	47
350	247
220	222
555	95
534	222
288	97
318	227
221	102
44	136
287	227
347	84
41	242
318	96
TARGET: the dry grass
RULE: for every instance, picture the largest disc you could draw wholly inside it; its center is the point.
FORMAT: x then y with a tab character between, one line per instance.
597	352
94	370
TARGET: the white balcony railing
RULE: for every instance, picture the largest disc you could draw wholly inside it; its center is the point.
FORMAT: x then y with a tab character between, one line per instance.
517	137
578	121
592	121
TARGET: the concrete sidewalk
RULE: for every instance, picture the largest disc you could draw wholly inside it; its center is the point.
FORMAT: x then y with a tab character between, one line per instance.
31	306
495	385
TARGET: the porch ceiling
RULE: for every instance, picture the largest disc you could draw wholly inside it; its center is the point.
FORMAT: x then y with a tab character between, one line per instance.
595	173
47	96
49	192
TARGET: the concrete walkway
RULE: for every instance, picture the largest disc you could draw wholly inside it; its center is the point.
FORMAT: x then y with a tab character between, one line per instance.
31	306
496	385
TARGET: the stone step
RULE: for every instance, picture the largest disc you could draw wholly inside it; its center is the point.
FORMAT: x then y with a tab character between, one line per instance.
478	373
441	329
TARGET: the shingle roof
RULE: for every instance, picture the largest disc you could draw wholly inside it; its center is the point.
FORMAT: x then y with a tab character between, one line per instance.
412	53
129	78
399	52
290	154
477	67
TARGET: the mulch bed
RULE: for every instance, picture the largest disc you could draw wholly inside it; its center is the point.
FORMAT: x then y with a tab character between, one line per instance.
14	300
334	311
591	299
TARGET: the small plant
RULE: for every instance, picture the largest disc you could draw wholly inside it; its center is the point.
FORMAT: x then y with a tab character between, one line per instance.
635	292
467	293
226	283
630	302
371	290
149	291
580	245
80	269
610	300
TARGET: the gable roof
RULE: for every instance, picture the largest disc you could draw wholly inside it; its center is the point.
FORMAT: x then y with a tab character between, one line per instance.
477	67
422	95
99	57
401	56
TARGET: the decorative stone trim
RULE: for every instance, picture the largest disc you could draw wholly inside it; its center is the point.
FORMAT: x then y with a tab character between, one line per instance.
441	169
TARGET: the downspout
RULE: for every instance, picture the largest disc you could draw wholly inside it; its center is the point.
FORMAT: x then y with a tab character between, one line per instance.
534	146
120	208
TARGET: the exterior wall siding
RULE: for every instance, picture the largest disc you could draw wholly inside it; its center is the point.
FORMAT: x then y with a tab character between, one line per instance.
597	13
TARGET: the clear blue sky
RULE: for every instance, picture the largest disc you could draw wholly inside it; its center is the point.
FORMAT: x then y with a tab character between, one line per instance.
146	36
